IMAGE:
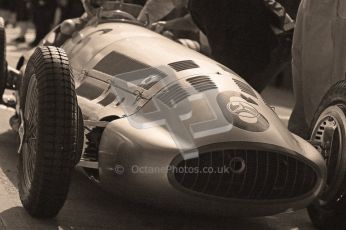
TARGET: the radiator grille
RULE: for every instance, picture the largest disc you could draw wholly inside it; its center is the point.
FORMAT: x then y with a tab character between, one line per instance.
183	65
202	83
266	175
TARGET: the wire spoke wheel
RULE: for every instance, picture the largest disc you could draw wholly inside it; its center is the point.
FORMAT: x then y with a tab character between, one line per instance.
30	135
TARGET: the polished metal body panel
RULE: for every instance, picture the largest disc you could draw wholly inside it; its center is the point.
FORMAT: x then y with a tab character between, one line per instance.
169	103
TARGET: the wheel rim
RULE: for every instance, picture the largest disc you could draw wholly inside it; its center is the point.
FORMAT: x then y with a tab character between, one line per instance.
328	138
29	147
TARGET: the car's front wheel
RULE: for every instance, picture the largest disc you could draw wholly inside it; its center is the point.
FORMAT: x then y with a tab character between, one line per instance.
49	132
328	134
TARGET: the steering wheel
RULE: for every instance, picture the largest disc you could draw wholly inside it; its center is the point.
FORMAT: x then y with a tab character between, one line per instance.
123	14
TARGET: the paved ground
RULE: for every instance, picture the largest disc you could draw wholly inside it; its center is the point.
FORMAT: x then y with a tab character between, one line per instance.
88	207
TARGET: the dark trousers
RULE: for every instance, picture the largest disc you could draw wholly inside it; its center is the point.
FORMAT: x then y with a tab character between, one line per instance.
73	9
21	8
43	19
240	36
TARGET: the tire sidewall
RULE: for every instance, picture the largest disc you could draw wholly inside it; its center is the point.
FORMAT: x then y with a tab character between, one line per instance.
48	64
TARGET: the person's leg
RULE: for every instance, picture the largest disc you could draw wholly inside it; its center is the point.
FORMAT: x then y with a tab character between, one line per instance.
23	15
246	48
36	20
297	123
313	60
43	20
74	9
47	22
240	36
280	59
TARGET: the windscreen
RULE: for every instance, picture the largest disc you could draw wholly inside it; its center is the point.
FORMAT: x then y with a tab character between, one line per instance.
134	89
132	9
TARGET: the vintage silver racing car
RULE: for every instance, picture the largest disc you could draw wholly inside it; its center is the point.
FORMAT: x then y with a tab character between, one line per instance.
156	122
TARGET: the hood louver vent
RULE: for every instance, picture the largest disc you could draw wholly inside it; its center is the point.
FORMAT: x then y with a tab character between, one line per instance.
183	65
245	88
202	83
173	95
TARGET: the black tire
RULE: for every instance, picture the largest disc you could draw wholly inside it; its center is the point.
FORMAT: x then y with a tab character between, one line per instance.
3	63
49	112
329	128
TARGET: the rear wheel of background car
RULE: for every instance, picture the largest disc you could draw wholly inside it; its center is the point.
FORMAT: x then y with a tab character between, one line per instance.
328	134
49	113
3	64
